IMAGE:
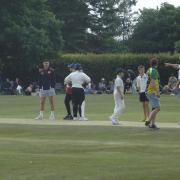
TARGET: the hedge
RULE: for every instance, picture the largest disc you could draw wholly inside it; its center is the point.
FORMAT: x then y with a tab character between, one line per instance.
100	65
105	65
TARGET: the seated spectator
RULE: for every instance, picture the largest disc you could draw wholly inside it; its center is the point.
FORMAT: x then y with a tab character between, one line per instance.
7	87
132	76
29	90
110	87
172	82
102	86
17	88
128	86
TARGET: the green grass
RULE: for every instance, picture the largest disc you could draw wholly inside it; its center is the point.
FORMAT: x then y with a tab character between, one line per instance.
32	152
98	107
86	153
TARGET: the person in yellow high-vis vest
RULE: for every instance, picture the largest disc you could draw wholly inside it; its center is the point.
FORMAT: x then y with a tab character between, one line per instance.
153	93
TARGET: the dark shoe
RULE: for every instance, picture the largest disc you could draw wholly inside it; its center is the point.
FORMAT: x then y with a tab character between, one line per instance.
68	117
153	126
147	123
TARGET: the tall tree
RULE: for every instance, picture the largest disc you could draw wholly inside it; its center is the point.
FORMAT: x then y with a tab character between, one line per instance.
110	20
157	30
29	32
75	19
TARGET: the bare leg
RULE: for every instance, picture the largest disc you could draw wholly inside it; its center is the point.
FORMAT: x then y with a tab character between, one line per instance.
144	110
51	101
153	114
42	103
147	109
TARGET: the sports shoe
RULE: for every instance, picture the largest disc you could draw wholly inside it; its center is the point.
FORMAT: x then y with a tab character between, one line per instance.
68	117
147	123
51	117
83	119
153	126
115	122
75	118
39	117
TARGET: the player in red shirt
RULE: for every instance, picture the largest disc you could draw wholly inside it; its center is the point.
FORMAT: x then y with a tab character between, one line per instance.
68	97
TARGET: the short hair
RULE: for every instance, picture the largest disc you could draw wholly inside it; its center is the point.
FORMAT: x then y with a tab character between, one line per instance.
153	62
140	67
120	70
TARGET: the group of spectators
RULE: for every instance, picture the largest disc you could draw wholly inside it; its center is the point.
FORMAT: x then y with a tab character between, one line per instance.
171	87
10	87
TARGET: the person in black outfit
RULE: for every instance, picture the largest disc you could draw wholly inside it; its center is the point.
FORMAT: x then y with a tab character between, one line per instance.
68	97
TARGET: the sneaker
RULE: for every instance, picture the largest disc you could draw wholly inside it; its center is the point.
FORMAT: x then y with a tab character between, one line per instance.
75	118
68	117
83	119
51	117
147	123
39	117
115	122
153	126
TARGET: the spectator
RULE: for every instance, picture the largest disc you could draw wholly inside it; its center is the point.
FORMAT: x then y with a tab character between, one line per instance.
102	86
110	87
128	86
132	76
0	81
7	87
17	88
29	90
169	88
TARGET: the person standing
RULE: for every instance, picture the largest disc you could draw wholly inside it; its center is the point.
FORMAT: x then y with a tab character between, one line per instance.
153	93
77	78
142	80
68	97
118	97
46	85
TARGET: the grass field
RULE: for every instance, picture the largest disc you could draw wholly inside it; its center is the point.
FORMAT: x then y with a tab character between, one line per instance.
98	107
39	152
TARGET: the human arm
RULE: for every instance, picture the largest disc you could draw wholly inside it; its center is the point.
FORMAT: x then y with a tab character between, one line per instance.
175	66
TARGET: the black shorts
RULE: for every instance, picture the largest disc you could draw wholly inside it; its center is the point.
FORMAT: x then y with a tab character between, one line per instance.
143	97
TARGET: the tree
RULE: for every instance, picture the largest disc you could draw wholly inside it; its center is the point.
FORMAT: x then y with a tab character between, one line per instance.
177	46
74	15
110	21
156	30
29	32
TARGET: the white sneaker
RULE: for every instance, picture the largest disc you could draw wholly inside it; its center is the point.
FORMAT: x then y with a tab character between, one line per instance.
115	122
51	117
83	119
75	118
39	117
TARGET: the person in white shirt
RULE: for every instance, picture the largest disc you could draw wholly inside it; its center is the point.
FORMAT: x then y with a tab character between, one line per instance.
118	97
175	66
77	79
142	80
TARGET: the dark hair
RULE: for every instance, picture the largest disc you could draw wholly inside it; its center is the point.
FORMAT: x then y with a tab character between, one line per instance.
153	62
140	67
120	70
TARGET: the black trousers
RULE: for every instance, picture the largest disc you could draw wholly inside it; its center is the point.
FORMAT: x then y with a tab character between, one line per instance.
78	97
67	100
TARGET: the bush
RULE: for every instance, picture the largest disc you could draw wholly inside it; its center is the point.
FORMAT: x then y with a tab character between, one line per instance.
105	65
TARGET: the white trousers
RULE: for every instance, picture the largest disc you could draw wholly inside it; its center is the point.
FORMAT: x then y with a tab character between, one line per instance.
119	106
83	109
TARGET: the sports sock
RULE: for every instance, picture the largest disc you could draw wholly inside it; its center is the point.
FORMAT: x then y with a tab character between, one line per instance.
41	113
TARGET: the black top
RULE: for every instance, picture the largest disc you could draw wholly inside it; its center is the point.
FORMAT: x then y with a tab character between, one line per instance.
47	79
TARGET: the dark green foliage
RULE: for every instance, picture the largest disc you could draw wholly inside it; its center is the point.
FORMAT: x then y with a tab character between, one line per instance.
105	65
29	33
157	30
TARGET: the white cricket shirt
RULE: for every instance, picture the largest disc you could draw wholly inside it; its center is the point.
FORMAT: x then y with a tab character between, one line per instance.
142	83
118	83
77	79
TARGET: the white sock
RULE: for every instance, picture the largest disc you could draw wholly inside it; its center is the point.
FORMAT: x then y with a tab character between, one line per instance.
41	113
52	113
83	109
